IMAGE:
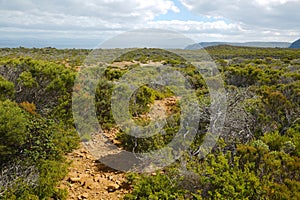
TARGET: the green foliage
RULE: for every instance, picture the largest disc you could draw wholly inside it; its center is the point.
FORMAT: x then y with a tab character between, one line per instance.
156	55
293	134
39	130
141	100
68	57
50	173
103	103
41	142
48	140
154	187
12	129
7	89
275	140
243	75
26	79
46	84
227	180
266	166
231	52
112	73
288	147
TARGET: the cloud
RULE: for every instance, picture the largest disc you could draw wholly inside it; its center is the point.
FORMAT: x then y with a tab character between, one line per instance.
86	14
69	19
94	20
221	30
195	26
274	14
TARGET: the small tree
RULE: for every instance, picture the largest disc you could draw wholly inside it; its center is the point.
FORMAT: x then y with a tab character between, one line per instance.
7	89
12	129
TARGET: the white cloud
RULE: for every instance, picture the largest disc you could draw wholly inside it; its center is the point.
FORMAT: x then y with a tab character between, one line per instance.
194	26
259	20
246	35
264	20
76	18
280	14
224	31
111	10
89	13
272	2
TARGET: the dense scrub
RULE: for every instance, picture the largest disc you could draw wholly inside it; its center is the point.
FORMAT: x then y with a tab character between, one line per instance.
256	157
36	127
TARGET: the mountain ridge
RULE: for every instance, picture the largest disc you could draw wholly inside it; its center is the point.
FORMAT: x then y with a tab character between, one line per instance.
245	44
295	45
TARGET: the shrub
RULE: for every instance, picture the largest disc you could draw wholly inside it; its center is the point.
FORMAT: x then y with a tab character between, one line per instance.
13	133
7	89
156	187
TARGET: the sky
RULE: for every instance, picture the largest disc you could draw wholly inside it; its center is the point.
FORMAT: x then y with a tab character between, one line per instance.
86	23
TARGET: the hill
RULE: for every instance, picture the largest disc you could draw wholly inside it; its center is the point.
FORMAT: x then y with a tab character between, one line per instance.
295	45
245	44
257	155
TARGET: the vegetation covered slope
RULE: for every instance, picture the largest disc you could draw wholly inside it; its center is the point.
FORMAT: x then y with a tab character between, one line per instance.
242	44
36	127
257	156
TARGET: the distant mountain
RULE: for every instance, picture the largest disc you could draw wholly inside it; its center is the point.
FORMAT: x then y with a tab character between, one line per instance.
295	45
245	44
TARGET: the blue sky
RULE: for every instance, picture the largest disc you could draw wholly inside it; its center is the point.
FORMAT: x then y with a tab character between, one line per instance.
184	14
85	24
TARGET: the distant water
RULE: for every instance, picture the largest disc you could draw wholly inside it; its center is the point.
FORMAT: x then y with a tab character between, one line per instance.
57	43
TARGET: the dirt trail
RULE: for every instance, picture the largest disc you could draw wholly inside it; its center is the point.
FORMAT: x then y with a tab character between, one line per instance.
162	108
90	179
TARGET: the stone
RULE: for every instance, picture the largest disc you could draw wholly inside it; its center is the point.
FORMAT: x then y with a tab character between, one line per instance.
112	187
118	182
80	155
74	179
110	178
83	151
85	195
97	178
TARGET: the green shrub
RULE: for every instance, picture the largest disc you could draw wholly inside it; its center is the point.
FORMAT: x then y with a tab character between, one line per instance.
7	89
156	187
13	134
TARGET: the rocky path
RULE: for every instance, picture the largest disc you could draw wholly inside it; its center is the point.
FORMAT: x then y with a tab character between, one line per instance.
89	179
